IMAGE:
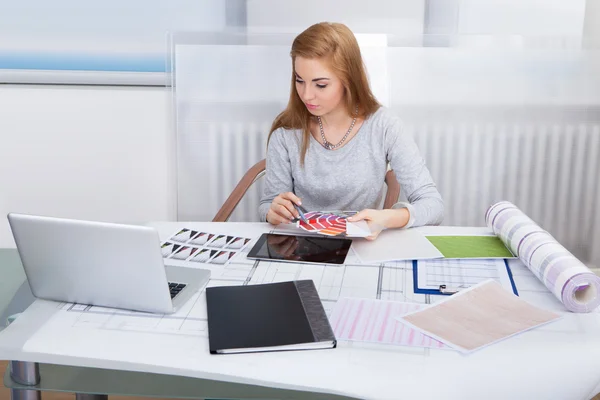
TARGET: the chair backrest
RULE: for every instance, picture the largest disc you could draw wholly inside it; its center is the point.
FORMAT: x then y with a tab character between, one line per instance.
254	173
258	170
393	190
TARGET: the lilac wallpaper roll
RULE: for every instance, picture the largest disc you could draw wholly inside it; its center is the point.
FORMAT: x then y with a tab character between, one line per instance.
574	284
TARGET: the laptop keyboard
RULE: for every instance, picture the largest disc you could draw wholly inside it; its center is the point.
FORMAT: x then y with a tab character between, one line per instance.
175	288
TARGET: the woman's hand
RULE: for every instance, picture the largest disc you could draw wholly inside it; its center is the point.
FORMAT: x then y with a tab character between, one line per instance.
282	208
379	220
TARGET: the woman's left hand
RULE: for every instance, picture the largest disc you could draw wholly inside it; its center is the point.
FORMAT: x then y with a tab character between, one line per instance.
378	220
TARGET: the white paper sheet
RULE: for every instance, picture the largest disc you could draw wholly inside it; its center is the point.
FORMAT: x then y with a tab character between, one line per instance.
395	245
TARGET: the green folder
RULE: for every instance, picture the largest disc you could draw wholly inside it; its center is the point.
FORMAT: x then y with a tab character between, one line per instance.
470	246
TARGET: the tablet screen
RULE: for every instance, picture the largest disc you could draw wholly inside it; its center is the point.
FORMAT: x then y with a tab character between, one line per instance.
314	249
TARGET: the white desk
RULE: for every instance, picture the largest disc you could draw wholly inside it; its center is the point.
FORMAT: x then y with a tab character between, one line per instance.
557	361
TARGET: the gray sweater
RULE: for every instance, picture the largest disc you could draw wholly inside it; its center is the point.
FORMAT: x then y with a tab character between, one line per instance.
352	177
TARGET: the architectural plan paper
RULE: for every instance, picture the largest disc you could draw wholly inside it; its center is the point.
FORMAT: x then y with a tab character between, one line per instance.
461	274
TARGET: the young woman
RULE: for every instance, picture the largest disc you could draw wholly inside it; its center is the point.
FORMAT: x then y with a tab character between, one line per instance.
329	149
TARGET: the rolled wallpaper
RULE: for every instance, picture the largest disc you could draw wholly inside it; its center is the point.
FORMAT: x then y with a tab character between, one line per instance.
574	284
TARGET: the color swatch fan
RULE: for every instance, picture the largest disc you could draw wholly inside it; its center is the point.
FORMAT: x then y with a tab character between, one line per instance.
325	224
333	224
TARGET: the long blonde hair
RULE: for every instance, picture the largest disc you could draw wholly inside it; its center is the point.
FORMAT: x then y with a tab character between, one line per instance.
335	43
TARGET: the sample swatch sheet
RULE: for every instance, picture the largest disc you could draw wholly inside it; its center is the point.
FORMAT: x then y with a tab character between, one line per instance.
369	320
395	245
477	317
333	224
458	274
471	246
202	247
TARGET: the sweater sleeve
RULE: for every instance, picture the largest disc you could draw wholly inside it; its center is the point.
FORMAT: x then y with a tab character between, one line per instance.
278	173
425	204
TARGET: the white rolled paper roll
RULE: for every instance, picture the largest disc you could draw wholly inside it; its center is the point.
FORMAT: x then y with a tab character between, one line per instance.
574	284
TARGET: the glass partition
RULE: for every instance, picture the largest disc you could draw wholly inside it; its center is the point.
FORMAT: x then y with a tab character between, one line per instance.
496	117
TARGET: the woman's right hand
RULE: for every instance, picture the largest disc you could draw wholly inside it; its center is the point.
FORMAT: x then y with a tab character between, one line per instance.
282	208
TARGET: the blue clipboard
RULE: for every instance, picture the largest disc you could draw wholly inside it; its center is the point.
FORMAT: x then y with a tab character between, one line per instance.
439	292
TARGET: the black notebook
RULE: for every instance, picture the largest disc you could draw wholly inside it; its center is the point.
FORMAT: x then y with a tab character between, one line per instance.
268	317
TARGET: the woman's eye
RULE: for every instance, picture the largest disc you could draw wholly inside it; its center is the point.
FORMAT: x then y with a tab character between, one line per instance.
321	86
299	81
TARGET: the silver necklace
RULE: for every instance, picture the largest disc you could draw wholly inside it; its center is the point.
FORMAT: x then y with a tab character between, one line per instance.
326	143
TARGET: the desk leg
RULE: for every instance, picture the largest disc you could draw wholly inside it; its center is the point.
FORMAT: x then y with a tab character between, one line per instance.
25	373
85	396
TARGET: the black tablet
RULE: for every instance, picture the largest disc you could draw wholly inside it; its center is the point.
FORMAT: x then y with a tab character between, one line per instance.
312	249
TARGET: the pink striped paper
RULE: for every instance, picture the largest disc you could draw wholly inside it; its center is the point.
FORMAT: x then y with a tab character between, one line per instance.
367	320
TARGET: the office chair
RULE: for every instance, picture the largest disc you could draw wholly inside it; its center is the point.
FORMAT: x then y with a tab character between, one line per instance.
258	170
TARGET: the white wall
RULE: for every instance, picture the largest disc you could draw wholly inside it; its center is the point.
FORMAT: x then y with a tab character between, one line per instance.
101	153
400	17
554	18
591	27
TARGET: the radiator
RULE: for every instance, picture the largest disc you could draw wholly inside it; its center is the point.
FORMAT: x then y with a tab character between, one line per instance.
240	145
551	172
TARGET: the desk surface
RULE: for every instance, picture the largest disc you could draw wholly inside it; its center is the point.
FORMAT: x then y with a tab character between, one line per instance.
561	360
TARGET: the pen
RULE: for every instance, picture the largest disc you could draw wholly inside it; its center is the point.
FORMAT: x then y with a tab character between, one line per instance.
300	210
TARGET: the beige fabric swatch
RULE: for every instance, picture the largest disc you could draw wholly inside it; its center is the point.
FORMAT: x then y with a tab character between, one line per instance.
478	316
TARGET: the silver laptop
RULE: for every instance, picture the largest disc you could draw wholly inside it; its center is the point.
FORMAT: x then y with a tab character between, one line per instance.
103	264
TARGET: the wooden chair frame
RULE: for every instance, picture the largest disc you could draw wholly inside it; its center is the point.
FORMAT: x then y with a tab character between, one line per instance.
258	170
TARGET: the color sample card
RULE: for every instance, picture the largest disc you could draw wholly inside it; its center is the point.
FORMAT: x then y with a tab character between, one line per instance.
184	252
183	236
199	239
237	243
222	257
169	248
203	255
202	247
219	241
